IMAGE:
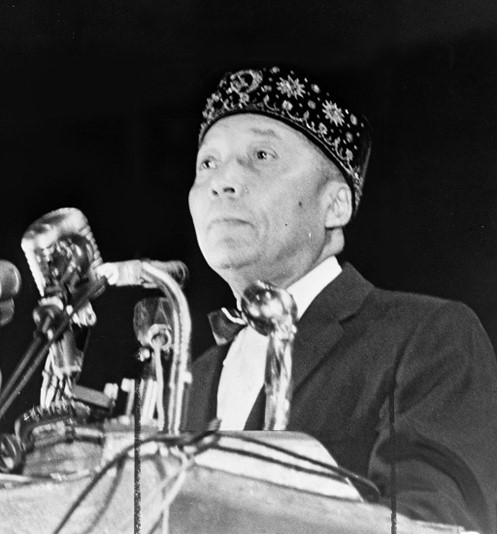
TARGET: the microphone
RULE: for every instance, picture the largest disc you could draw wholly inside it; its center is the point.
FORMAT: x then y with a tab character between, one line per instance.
152	320
63	257
10	280
151	323
273	312
163	276
268	308
10	285
58	245
62	254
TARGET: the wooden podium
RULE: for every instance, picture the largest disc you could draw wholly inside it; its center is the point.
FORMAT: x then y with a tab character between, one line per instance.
243	484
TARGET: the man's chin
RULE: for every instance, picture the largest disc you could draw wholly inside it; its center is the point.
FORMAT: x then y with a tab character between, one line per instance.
234	266
229	263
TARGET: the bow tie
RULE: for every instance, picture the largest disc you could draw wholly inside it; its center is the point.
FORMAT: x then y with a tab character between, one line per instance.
226	323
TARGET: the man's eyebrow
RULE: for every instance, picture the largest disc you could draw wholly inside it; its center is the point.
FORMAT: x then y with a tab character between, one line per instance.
265	132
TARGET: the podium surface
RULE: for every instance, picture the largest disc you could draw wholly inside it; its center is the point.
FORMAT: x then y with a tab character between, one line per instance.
243	483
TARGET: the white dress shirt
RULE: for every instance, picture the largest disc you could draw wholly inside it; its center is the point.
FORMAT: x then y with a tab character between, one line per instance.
243	371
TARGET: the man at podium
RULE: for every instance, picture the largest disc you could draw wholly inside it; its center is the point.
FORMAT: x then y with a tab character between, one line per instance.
400	388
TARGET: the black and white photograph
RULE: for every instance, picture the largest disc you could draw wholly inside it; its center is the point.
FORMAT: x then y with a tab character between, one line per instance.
248	267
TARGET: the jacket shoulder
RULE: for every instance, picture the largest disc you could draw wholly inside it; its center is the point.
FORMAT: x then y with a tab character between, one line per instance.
415	304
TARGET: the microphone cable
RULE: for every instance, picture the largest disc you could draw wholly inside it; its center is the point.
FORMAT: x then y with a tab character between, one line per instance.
184	440
201	444
371	492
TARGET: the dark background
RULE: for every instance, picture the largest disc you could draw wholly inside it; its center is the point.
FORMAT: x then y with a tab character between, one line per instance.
99	110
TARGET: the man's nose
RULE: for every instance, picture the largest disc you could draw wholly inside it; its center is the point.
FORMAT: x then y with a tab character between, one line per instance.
228	180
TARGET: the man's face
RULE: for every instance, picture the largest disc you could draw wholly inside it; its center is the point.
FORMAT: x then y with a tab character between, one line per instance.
260	200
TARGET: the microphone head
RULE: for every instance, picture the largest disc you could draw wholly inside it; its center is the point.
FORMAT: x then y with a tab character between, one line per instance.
152	318
10	280
71	260
266	307
6	311
57	241
10	285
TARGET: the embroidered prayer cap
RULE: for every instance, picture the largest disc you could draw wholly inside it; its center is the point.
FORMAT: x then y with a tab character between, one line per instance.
343	136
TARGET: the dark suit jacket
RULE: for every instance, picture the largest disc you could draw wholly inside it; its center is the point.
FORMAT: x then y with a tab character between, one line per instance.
357	349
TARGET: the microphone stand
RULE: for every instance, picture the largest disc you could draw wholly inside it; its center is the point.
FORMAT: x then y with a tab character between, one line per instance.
44	338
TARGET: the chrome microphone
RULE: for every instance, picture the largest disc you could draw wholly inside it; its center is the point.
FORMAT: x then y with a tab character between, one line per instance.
151	323
166	276
10	280
272	312
10	285
152	326
62	255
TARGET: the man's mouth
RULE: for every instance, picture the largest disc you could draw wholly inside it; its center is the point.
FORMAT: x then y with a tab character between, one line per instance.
227	221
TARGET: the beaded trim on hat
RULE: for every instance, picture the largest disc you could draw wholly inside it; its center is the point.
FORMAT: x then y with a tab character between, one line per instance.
342	135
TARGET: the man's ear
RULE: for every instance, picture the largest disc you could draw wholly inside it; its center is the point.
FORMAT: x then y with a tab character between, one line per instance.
339	209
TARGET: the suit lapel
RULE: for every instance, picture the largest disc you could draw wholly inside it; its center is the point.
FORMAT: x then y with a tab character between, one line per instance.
203	398
320	328
255	420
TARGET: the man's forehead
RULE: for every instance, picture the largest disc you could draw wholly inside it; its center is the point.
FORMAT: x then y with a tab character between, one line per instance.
254	125
263	127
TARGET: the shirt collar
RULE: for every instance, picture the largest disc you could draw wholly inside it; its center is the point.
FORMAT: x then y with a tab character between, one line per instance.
305	290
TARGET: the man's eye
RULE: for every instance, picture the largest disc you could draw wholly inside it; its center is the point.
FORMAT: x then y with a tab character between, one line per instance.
207	163
264	155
